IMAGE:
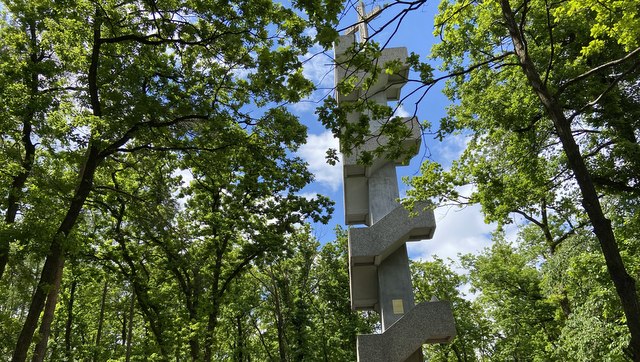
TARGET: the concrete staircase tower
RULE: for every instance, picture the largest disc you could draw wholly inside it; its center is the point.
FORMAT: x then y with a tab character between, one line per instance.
380	278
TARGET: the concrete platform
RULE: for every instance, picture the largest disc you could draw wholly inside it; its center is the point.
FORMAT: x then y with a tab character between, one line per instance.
427	322
389	84
355	176
371	245
410	147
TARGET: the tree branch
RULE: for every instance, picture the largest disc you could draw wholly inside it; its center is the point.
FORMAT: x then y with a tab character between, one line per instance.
602	67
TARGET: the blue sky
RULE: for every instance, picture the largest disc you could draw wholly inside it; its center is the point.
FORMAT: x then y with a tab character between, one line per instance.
458	230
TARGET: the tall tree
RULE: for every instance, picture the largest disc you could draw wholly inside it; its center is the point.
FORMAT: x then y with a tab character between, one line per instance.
137	76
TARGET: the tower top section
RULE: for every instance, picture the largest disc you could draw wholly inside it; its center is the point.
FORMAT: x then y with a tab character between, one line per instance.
363	21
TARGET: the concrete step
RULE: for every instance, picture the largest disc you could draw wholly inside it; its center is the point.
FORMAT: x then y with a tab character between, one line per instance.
427	322
409	146
356	176
369	246
389	84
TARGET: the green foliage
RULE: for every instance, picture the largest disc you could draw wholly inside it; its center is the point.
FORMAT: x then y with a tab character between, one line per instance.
584	56
437	279
104	105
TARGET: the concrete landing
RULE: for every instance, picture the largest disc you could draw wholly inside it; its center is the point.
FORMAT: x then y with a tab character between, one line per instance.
410	146
427	322
388	84
355	176
371	245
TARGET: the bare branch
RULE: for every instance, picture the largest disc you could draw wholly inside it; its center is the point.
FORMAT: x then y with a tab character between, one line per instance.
600	68
609	88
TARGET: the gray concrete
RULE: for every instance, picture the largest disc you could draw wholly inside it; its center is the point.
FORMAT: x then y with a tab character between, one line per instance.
371	245
356	200
356	176
379	273
395	290
364	287
387	84
410	146
427	322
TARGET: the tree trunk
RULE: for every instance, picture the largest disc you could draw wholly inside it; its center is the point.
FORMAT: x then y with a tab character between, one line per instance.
20	179
47	318
194	344
103	300
240	344
54	263
69	325
625	285
216	296
279	320
211	328
130	332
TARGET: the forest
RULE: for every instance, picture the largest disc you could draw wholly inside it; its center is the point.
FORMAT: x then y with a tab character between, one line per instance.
150	190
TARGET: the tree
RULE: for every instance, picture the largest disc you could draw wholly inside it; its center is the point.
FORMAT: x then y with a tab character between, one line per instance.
473	341
118	80
539	89
524	324
336	325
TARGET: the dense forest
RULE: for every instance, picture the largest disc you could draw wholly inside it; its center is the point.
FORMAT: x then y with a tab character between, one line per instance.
150	189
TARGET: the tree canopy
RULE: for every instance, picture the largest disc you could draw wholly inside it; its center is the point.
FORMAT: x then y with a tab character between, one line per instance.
546	95
151	205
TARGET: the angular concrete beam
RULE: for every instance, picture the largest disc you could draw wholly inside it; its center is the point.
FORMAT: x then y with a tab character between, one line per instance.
371	245
356	190
363	287
356	200
410	146
427	322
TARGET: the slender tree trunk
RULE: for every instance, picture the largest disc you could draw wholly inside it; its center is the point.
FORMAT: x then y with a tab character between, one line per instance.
279	320
130	332
216	296
625	284
103	300
69	325
148	308
194	344
240	344
211	328
54	263
47	318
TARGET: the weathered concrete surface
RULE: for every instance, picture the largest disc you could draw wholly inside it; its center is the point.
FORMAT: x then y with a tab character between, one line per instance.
380	278
364	287
371	245
410	147
395	290
388	84
428	322
356	200
356	176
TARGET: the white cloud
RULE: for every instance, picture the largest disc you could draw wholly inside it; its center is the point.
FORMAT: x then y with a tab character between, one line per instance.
400	111
318	68
314	153
309	195
451	148
458	231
